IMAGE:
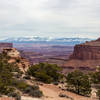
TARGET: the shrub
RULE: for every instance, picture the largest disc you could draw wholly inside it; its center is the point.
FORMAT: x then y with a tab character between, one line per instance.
18	60
79	83
43	77
35	87
27	77
6	89
55	83
36	93
15	95
9	81
95	77
45	72
98	93
6	77
20	84
33	91
27	90
62	95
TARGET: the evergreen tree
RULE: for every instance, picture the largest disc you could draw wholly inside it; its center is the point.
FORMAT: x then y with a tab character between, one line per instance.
79	83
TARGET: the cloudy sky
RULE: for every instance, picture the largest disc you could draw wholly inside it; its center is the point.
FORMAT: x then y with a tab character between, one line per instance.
54	18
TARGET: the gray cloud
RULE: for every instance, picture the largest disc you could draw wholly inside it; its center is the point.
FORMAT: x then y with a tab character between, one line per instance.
50	17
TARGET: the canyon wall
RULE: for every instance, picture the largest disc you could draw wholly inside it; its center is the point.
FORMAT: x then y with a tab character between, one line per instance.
85	57
86	52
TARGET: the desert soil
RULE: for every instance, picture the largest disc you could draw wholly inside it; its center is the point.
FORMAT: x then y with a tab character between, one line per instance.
51	92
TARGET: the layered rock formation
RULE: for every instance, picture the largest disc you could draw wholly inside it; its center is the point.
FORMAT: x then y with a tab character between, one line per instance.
87	51
85	57
15	57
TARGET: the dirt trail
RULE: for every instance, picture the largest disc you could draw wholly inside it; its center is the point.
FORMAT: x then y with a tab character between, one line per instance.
51	92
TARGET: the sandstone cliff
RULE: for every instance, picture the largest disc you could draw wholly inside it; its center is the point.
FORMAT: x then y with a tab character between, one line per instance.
87	51
12	52
15	57
85	57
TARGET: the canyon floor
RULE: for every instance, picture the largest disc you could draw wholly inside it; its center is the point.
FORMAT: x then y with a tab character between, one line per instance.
36	53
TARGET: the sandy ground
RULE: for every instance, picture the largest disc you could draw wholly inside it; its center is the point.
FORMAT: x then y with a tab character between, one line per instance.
51	92
29	98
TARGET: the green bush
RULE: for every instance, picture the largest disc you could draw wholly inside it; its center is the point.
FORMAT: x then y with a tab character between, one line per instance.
36	93
9	82
6	77
33	91
6	89
20	84
43	77
45	72
79	83
35	87
16	69
95	77
15	95
98	93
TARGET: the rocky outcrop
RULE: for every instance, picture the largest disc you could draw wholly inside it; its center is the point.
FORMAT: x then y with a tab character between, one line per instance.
23	64
87	51
12	52
15	57
85	57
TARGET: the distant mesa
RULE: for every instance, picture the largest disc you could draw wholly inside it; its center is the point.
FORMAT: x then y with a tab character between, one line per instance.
85	56
87	51
98	39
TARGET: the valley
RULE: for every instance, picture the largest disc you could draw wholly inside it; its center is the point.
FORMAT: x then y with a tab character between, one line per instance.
36	53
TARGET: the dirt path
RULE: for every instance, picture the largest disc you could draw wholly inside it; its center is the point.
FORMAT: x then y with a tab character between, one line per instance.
51	92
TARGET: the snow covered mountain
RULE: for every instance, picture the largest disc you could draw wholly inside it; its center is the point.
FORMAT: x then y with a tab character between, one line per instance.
46	40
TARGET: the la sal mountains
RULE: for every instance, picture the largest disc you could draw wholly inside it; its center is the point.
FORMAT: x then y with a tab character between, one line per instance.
46	40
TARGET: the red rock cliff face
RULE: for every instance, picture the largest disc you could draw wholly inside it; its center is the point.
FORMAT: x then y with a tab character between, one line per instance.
87	51
85	57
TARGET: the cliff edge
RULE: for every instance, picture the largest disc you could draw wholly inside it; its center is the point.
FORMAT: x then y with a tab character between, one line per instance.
85	57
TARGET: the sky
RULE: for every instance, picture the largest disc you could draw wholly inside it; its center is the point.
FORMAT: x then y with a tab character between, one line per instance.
53	18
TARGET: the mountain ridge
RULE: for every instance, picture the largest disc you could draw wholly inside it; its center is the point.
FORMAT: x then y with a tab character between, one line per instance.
47	40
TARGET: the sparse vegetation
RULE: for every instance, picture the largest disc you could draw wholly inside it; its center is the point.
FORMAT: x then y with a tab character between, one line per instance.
95	80
6	77
17	96
95	77
27	77
98	93
45	72
79	83
33	91
20	84
10	80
